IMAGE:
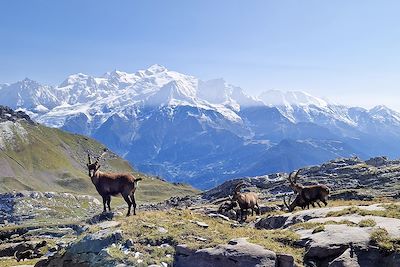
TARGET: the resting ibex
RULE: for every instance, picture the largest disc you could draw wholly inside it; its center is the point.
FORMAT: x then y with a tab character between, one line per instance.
307	194
297	202
245	200
112	184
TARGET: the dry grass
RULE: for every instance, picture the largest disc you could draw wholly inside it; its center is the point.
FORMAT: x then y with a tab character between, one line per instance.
143	230
391	211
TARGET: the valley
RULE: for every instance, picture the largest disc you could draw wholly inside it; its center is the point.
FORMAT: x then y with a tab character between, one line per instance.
183	129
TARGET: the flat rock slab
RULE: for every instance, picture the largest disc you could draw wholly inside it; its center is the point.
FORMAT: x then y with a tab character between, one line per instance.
237	253
288	219
217	215
95	242
391	225
344	246
337	235
108	224
202	224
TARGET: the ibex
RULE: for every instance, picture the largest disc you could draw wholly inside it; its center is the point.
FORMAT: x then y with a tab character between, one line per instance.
297	202
245	200
308	194
112	184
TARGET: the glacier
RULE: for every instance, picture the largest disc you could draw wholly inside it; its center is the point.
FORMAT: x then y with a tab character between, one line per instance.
203	132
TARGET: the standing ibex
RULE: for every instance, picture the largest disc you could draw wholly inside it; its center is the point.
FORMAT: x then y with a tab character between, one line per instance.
307	194
245	200
112	184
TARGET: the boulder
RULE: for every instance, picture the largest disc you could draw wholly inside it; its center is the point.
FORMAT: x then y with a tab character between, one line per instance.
105	216
285	260
289	219
237	253
344	246
377	161
272	222
94	243
90	251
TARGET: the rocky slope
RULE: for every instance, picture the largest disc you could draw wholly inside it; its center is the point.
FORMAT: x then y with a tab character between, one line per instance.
205	132
348	178
360	226
345	234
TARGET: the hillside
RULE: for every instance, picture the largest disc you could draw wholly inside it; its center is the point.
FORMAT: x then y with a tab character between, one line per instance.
35	157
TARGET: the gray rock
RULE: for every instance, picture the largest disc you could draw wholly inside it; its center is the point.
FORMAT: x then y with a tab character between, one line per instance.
94	243
105	216
109	224
377	161
162	230
345	246
272	222
285	260
202	224
128	243
237	253
90	251
217	215
289	219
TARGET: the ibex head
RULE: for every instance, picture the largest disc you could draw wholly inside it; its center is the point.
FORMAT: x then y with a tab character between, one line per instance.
236	191
297	202
94	167
293	182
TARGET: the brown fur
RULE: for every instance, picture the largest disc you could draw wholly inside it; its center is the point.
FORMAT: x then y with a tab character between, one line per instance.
246	201
112	184
297	202
309	194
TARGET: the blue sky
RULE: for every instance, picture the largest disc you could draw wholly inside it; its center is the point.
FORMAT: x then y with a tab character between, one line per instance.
346	51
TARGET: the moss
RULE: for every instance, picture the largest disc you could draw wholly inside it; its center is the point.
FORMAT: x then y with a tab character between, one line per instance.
13	262
367	223
318	229
381	238
390	210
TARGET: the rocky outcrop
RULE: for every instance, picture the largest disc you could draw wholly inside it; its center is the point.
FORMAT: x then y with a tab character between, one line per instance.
341	241
237	253
90	251
8	114
289	219
343	246
23	206
379	175
377	161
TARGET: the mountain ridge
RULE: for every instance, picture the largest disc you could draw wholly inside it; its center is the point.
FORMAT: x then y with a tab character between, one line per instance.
176	126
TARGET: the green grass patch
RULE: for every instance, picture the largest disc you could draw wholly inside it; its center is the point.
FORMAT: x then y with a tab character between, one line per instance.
391	211
318	229
380	237
367	223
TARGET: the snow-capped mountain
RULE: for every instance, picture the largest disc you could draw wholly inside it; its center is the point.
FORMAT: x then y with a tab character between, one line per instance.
203	132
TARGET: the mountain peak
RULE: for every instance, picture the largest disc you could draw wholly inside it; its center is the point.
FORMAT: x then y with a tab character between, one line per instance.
289	98
156	68
76	78
28	82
